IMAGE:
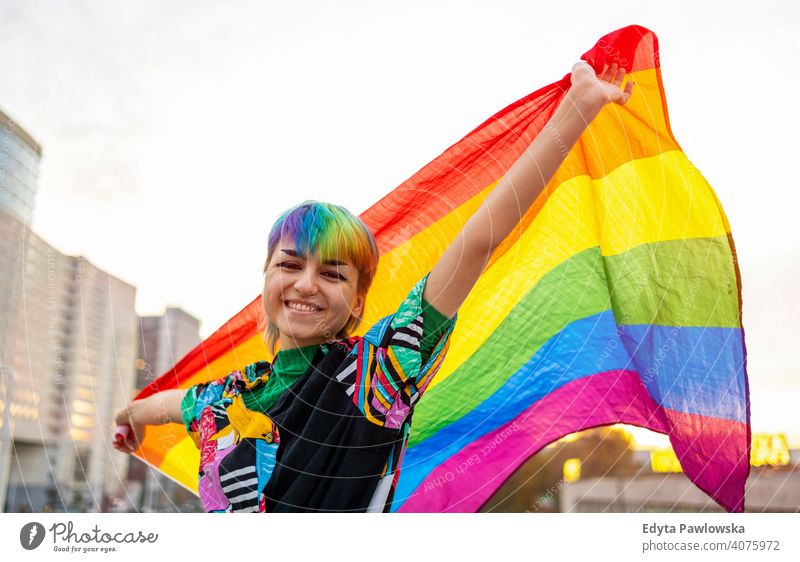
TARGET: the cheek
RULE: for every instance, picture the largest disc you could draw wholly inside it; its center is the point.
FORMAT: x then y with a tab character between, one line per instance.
273	281
271	292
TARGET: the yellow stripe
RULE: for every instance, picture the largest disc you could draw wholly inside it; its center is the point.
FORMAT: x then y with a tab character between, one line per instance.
652	200
181	463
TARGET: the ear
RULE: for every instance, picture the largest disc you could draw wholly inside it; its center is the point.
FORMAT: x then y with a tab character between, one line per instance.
358	305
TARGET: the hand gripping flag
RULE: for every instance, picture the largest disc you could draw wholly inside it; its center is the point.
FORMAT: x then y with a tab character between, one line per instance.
616	300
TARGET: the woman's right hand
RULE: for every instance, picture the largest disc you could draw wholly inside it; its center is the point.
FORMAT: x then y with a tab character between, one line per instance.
128	443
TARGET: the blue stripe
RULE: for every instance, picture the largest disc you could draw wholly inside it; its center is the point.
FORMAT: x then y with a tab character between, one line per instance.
375	334
365	354
693	370
690	370
210	394
265	461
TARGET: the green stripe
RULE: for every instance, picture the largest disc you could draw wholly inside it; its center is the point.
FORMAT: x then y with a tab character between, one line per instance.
674	283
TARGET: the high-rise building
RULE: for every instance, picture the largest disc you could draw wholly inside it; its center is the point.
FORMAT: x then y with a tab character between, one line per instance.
19	166
19	169
67	351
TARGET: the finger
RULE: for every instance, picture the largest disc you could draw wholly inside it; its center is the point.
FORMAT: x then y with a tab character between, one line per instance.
629	89
626	94
609	73
619	77
120	444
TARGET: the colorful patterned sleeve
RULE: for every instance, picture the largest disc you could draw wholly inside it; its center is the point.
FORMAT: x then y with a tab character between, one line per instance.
197	398
397	370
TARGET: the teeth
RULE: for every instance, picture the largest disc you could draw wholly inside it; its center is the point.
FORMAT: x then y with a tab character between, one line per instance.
303	307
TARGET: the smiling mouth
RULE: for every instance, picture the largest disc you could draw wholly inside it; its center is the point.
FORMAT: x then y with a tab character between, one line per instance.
302	308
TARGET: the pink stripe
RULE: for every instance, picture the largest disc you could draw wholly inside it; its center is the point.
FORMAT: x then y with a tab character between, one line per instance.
724	441
466	480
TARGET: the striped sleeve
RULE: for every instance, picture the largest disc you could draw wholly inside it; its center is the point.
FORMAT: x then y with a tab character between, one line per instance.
197	398
397	369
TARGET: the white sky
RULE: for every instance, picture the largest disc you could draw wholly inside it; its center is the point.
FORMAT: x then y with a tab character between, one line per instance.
174	133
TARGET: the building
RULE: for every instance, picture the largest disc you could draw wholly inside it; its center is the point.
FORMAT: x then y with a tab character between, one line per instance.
163	341
67	358
19	169
73	366
767	490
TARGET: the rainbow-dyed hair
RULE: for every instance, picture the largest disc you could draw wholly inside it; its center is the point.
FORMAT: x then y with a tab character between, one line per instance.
334	233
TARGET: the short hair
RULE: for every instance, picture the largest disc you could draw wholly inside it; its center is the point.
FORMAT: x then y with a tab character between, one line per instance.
334	233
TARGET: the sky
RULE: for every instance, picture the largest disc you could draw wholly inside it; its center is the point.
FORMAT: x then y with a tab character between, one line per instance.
174	133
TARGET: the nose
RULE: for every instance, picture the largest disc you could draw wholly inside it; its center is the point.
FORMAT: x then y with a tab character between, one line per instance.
307	282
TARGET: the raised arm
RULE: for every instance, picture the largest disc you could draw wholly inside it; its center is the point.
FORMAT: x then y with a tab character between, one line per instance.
458	269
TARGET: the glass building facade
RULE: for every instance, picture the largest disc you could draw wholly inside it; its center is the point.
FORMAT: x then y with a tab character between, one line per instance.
19	169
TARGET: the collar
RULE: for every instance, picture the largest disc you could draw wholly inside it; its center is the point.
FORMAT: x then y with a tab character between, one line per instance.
294	361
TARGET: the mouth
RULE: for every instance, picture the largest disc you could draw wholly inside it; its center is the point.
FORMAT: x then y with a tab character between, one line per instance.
302	308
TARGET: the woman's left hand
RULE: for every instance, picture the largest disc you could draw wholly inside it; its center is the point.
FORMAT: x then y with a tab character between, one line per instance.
596	91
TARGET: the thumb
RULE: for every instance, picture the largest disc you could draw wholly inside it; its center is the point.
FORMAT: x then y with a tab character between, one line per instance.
621	97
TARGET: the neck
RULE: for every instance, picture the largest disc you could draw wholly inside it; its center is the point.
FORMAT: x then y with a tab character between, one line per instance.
291	343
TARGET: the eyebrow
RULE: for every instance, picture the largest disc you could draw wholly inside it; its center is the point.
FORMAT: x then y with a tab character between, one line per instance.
295	254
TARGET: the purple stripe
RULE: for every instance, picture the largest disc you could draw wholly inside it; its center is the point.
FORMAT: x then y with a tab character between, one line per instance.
467	479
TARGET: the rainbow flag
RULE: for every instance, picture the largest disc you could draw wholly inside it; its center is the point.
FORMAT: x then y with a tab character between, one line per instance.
617	300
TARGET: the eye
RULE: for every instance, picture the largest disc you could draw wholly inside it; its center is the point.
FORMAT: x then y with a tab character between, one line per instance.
289	265
335	275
